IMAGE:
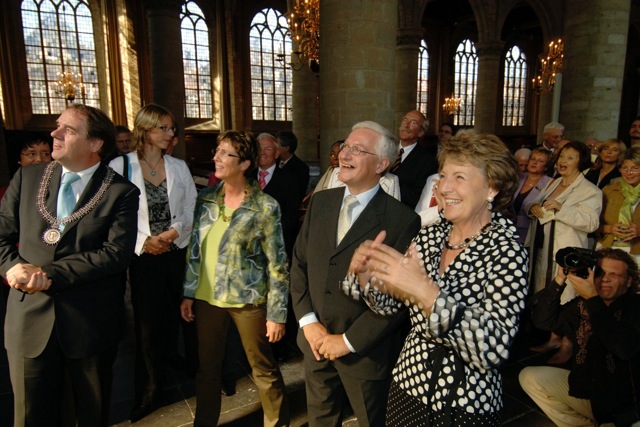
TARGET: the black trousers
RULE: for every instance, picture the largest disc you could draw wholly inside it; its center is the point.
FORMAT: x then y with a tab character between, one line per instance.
156	294
54	390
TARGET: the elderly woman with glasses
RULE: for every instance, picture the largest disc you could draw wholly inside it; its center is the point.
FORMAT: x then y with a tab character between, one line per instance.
167	199
620	220
237	272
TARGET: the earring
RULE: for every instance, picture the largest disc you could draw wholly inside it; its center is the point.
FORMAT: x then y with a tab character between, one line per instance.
490	202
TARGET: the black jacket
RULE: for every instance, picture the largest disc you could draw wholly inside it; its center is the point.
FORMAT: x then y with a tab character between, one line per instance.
606	353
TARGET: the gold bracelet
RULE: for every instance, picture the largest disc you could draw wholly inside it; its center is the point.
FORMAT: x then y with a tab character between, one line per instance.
144	245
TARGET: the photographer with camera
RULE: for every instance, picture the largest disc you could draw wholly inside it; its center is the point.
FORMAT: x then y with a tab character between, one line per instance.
604	322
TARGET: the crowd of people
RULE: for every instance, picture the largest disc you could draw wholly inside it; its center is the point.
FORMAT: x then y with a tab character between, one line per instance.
414	268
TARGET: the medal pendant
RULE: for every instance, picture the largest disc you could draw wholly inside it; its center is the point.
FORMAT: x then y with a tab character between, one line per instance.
153	172
51	236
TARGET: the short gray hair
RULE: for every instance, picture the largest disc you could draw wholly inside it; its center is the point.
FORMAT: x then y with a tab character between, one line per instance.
387	145
267	135
553	126
522	152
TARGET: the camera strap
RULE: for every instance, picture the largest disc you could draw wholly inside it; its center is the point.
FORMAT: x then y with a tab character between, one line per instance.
552	235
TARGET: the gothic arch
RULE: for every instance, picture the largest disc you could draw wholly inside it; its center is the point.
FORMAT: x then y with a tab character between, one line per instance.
410	13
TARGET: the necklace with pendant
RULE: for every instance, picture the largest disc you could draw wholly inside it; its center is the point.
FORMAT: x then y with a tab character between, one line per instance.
226	218
153	168
51	236
531	183
465	243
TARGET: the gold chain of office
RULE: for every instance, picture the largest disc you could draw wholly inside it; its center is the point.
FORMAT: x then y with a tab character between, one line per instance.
51	236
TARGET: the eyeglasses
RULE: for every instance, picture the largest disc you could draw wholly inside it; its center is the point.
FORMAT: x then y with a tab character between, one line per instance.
630	170
167	129
223	153
355	150
33	154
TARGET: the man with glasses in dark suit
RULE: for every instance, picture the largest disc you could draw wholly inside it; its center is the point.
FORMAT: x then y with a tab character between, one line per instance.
348	350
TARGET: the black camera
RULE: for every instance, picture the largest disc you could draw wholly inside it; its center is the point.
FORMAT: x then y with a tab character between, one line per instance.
578	260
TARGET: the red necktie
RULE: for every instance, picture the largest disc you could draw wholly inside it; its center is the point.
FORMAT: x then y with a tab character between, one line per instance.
261	180
396	164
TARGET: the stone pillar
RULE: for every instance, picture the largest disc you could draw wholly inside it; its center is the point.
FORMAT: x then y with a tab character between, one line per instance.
487	117
357	61
165	60
306	114
595	41
544	114
4	160
407	56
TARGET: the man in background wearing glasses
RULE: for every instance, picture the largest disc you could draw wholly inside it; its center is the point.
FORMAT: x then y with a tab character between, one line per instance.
348	350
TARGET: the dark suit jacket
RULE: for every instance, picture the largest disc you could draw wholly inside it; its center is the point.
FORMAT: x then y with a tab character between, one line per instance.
318	268
85	300
301	172
413	172
281	187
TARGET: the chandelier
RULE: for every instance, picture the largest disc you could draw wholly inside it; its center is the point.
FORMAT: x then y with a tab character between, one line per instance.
69	85
549	67
304	28
451	105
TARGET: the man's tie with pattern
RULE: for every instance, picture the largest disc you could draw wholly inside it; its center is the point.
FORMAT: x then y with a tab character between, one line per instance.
396	164
66	196
344	220
261	179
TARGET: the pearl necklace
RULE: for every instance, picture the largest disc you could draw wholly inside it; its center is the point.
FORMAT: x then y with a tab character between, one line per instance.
226	218
465	243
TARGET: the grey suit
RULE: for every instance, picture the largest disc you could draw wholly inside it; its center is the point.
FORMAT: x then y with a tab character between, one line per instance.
318	268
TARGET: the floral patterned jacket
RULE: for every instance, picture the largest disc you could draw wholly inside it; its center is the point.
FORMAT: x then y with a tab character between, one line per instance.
252	264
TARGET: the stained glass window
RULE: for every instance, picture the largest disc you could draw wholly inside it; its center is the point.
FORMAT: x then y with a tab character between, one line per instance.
423	80
58	36
515	87
466	76
197	62
270	77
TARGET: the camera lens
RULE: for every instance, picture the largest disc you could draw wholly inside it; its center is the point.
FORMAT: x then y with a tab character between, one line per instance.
572	260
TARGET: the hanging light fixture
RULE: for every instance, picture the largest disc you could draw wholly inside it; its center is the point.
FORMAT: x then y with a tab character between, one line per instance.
69	85
304	30
451	105
549	67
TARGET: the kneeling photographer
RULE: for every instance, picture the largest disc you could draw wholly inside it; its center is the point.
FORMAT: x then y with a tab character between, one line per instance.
604	381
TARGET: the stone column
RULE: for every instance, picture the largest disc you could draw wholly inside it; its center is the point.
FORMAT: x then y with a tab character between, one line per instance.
165	59
357	61
306	114
487	117
407	56
4	160
595	41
